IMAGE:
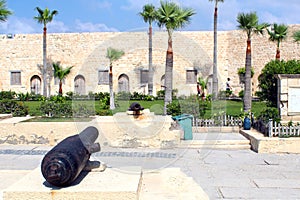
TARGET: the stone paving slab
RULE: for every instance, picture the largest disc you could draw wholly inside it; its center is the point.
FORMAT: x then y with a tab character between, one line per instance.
110	184
277	183
171	184
259	193
15	119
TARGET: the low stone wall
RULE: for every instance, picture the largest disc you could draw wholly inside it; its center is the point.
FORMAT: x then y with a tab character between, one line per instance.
221	129
119	130
261	144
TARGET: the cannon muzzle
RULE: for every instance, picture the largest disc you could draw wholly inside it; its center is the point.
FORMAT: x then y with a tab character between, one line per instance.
64	162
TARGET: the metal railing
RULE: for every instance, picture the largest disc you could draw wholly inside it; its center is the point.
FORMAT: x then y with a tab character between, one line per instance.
222	120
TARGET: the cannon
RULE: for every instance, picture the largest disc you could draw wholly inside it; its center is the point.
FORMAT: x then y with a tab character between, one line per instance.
65	161
136	108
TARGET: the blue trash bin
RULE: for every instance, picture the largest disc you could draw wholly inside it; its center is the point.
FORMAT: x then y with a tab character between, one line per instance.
247	123
185	122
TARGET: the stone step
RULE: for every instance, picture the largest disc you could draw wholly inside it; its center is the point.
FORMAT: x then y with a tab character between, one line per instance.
171	184
5	116
214	145
111	184
167	183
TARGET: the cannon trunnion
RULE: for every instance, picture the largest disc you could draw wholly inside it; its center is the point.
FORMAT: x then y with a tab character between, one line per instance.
64	162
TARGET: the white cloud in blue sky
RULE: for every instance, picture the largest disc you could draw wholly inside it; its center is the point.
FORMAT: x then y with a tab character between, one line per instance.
122	15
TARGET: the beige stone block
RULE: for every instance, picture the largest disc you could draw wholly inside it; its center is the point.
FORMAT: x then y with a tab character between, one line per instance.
112	184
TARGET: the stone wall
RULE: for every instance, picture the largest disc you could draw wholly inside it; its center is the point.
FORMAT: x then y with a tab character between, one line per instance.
87	53
288	96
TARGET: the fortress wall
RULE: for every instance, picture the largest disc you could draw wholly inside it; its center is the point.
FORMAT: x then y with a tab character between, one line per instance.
87	53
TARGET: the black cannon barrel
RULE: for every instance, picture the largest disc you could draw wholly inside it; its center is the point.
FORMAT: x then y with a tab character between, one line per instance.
135	107
64	162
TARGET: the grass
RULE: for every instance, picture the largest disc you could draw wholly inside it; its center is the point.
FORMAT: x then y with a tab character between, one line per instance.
48	119
233	108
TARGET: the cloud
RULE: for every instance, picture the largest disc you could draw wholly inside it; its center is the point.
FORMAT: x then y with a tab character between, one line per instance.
57	27
90	27
95	5
18	26
224	25
138	4
104	4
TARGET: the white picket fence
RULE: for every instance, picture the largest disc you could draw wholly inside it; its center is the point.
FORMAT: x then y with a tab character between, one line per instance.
223	120
278	130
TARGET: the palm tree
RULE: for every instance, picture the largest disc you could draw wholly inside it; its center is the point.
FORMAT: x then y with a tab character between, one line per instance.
248	22
149	16
113	55
61	74
4	12
215	66
296	36
277	34
44	17
172	17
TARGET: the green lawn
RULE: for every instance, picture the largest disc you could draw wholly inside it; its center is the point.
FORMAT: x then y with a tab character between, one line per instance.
230	107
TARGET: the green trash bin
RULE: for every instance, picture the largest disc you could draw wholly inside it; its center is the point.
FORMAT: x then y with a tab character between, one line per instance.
185	122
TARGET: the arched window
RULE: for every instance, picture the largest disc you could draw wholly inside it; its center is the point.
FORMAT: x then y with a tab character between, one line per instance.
123	83
79	85
35	84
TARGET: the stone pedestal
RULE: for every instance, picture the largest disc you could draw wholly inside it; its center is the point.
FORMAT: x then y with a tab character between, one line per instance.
110	185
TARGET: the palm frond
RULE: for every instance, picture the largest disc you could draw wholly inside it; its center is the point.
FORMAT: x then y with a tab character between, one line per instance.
170	15
45	16
296	36
148	14
4	12
114	54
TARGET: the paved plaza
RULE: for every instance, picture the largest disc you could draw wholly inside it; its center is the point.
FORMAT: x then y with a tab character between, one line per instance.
222	173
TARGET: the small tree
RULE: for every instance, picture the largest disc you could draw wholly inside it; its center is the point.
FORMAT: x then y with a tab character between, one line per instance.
61	74
113	55
149	15
296	36
215	67
44	17
277	34
248	22
172	17
268	82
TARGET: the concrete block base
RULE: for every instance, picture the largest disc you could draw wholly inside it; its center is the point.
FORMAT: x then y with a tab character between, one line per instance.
110	185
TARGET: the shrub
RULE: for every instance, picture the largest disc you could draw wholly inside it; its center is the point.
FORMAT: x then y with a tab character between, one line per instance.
241	94
80	110
105	102
104	112
191	105
268	81
101	95
69	95
269	113
174	108
55	109
160	94
7	95
123	95
58	99
17	109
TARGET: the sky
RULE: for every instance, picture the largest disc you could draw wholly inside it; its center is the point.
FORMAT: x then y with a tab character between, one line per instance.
122	15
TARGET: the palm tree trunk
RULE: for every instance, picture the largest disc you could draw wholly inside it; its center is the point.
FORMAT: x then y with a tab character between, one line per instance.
45	62
215	66
151	71
168	75
247	89
60	88
111	92
277	54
